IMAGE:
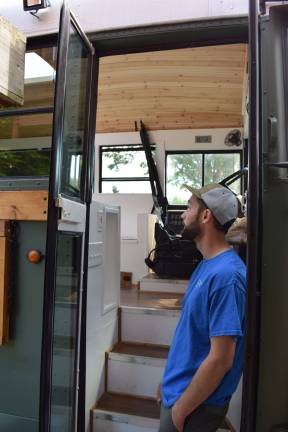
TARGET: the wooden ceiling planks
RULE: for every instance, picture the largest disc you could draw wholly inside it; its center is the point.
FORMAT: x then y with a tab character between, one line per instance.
177	89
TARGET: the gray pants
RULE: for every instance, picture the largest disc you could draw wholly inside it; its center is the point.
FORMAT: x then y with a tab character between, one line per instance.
206	418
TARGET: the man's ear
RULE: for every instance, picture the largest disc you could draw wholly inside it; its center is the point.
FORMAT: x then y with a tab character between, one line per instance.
206	216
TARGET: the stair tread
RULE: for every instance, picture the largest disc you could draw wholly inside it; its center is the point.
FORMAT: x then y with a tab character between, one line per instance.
129	405
152	277
138	349
158	300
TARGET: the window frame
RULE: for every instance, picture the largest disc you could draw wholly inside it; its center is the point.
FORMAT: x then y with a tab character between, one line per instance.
203	152
134	147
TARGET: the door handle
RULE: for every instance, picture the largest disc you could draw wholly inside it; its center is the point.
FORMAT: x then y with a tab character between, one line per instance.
272	130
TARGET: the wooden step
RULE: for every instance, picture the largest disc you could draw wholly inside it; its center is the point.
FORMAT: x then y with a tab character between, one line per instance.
129	405
137	298
139	349
153	283
124	413
136	369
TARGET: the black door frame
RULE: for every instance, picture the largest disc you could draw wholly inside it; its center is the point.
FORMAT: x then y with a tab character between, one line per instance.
254	229
67	21
206	32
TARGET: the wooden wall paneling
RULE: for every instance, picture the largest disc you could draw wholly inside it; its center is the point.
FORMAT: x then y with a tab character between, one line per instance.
5	267
176	89
23	205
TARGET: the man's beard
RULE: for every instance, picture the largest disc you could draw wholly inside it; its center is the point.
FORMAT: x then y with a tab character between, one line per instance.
190	232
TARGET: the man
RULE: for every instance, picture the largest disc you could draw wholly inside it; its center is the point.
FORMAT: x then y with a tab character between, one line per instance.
205	360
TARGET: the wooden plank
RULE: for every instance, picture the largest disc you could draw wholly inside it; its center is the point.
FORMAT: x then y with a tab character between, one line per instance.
23	205
12	53
4	281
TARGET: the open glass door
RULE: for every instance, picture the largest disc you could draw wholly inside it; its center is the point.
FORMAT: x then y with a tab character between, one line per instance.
68	193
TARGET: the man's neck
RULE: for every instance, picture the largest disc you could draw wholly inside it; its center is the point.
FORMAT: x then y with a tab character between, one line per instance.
211	247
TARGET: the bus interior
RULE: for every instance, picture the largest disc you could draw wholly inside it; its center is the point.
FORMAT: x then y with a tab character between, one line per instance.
107	345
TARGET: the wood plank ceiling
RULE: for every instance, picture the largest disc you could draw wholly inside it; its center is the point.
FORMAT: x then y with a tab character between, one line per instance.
194	88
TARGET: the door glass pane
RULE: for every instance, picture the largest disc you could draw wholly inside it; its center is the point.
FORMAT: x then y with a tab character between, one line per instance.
74	117
25	126
64	360
220	165
182	169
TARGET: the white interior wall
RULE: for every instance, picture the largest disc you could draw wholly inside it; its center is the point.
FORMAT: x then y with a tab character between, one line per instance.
94	16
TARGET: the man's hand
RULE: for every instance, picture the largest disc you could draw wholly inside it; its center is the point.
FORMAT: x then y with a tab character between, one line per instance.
178	417
159	393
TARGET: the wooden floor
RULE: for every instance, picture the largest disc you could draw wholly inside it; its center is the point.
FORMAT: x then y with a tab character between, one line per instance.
131	405
138	349
137	298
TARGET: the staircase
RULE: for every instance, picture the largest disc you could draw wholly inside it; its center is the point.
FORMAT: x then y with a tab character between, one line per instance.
134	366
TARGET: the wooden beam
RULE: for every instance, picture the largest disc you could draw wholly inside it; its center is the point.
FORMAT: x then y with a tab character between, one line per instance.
12	48
4	280
23	205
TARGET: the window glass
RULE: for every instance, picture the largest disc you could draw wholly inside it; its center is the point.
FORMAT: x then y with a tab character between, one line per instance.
65	328
181	169
25	143
24	163
124	163
197	169
219	166
25	126
124	169
74	117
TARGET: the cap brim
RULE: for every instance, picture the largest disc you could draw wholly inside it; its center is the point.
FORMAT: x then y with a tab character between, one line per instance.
194	191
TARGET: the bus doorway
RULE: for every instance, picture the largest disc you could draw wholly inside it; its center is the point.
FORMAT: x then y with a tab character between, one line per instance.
45	205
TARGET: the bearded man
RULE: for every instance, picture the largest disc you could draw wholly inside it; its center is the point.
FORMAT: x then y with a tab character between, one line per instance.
205	360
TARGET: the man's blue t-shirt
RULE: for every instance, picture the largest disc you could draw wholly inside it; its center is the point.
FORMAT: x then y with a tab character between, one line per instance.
213	305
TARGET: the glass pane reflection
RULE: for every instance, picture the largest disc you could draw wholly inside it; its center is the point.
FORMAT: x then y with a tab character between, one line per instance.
64	360
74	117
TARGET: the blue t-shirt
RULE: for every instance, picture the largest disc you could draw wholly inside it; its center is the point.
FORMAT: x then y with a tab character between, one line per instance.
213	305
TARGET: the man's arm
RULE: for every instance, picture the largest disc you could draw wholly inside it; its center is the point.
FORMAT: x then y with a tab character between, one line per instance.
207	378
